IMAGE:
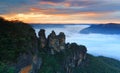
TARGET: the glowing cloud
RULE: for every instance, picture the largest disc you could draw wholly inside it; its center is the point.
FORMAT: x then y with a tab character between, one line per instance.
61	11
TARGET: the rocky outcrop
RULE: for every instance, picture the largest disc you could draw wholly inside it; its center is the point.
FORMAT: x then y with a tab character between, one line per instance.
75	56
36	64
42	41
72	54
61	38
54	42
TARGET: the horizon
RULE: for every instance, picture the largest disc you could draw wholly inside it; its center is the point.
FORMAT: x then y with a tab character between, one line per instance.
61	11
74	23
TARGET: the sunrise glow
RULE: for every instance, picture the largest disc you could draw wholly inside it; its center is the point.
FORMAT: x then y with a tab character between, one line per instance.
64	11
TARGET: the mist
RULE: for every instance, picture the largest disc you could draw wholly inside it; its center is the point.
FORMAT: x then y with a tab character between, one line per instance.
97	44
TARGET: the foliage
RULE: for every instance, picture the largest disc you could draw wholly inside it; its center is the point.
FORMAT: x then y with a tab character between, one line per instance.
110	61
50	64
53	64
6	69
97	65
74	48
15	38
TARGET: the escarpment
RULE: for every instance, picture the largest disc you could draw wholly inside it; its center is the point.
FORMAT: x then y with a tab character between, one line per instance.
18	46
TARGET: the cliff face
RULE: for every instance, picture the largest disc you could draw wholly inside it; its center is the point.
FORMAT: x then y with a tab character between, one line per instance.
76	54
18	45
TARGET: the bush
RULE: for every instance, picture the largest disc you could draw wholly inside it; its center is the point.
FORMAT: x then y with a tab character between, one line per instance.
6	69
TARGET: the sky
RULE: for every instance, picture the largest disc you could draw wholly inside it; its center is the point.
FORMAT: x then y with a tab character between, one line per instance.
61	11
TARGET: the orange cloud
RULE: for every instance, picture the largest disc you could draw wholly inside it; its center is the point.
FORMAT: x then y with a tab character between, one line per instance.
85	17
91	14
38	18
66	4
51	3
44	11
34	9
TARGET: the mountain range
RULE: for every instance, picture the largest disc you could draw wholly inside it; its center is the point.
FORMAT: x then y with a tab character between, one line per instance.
109	28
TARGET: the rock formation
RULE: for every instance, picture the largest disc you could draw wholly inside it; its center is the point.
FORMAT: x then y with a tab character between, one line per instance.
42	38
75	56
54	42
61	38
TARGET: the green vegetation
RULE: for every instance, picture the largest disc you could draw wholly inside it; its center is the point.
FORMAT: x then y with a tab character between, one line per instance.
74	48
50	64
15	37
6	69
92	65
98	65
112	62
55	63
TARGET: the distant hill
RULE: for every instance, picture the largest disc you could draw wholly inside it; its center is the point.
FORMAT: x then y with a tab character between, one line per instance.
110	28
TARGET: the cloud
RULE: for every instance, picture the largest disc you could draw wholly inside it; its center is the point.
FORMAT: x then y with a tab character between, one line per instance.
16	6
80	6
77	9
83	2
59	6
54	1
